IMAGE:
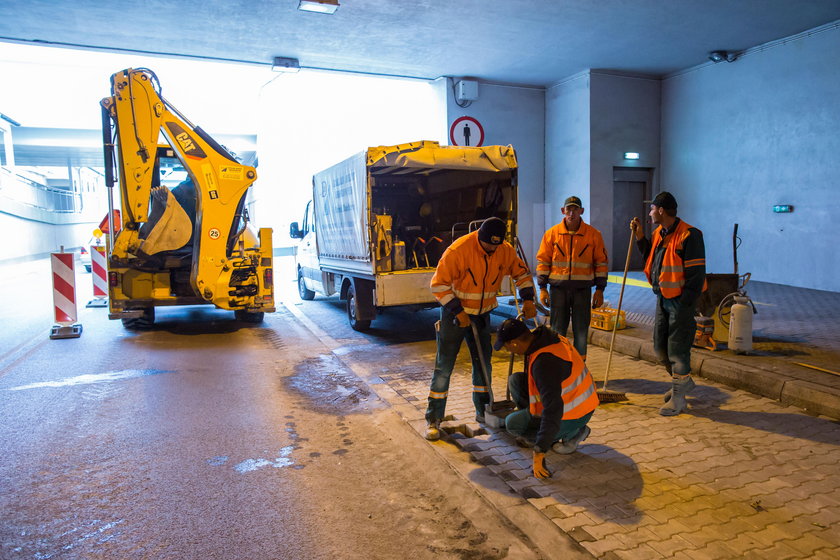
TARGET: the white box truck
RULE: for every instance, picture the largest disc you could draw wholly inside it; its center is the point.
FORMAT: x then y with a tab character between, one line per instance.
379	221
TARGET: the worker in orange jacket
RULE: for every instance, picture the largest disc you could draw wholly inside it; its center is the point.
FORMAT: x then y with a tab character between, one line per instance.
571	260
676	269
556	393
465	283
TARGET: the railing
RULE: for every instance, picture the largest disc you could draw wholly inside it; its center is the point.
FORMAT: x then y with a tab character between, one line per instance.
26	191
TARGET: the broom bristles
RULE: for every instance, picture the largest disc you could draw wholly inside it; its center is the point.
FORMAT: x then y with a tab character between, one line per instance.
611	396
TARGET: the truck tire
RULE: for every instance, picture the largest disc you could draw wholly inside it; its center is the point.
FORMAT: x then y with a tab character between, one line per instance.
355	324
255	317
141	323
305	293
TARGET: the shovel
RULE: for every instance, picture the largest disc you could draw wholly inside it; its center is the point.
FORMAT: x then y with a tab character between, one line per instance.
495	411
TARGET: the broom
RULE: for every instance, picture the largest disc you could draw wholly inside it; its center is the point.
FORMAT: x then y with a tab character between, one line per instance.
605	396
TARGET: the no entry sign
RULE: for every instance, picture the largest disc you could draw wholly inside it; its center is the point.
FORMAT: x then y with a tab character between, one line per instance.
466	131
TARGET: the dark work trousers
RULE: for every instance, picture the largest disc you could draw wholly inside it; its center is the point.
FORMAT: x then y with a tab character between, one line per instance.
523	423
574	304
673	334
449	338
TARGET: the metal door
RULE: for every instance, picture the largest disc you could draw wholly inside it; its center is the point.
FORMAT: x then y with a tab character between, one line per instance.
630	189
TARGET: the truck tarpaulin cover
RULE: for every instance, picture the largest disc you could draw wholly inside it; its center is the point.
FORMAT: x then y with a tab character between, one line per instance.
340	192
428	154
339	195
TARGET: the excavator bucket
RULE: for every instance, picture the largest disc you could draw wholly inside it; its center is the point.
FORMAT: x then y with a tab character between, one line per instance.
172	230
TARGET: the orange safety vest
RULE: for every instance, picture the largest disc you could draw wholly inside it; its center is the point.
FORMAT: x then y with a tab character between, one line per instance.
467	272
672	271
578	390
572	256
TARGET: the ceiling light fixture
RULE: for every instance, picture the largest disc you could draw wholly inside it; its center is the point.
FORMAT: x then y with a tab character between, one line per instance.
319	6
285	64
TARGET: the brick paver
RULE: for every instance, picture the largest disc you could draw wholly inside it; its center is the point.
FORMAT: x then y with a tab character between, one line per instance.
738	476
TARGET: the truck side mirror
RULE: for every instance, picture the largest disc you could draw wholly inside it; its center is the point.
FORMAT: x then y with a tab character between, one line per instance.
294	231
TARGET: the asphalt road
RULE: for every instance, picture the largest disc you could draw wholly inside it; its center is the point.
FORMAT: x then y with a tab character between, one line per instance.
208	438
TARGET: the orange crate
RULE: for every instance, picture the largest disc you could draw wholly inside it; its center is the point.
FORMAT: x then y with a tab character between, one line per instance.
604	318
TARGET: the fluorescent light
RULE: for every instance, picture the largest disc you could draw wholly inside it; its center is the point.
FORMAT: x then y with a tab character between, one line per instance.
631	155
285	64
319	6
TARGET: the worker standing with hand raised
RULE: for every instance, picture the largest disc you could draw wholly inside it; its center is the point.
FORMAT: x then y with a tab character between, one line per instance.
675	266
465	284
571	260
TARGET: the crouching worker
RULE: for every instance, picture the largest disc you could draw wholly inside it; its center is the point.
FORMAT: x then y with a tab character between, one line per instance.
556	393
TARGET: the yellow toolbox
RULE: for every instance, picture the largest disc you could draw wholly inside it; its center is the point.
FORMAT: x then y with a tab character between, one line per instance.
604	318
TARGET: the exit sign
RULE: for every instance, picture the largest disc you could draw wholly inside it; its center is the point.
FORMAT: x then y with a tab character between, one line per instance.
783	208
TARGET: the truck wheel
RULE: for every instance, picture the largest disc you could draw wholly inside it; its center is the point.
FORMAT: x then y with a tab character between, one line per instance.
355	324
141	323
305	293
249	316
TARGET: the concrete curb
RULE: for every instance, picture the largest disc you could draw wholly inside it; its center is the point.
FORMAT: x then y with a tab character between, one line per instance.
813	398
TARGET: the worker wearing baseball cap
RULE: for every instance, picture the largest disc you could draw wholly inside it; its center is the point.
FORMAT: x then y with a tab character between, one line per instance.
571	259
465	283
556	392
675	266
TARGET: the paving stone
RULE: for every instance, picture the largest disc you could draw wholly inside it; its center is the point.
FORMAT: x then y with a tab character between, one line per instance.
643	552
579	519
599	548
669	546
808	543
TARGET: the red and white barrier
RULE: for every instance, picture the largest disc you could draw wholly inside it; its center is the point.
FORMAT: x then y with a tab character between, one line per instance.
99	272
64	296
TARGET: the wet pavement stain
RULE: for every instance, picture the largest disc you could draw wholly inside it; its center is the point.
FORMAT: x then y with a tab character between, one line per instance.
92	378
330	387
282	460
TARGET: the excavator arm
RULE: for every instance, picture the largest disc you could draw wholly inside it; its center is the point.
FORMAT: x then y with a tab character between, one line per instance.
225	270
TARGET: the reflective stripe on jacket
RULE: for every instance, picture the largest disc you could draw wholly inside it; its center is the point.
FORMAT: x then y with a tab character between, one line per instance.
672	270
578	257
578	390
468	278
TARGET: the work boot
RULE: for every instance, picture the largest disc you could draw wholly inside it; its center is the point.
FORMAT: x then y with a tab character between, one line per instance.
433	430
667	396
675	398
479	418
571	445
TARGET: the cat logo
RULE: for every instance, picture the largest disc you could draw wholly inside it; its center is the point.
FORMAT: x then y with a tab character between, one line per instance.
187	143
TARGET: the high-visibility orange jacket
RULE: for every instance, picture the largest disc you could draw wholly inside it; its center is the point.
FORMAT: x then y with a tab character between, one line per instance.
572	260
681	261
560	386
467	278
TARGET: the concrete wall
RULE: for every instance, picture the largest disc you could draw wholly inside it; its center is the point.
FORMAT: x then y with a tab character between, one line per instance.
30	239
515	116
567	145
738	138
625	112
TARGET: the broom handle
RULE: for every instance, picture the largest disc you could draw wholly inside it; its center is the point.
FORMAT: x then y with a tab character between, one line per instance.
618	311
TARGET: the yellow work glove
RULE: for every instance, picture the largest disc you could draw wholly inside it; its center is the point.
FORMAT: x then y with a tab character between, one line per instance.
540	470
529	309
463	319
545	298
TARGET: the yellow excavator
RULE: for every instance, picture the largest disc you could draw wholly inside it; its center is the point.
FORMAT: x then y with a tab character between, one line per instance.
182	235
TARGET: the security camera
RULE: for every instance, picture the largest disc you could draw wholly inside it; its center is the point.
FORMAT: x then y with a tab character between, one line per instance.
720	56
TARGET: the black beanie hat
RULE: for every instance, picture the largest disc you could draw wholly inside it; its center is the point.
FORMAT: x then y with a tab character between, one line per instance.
492	231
